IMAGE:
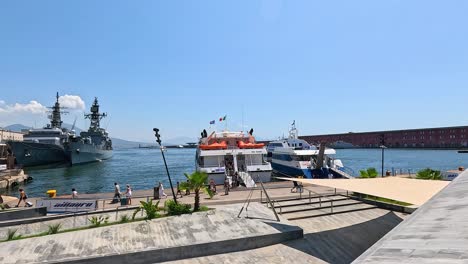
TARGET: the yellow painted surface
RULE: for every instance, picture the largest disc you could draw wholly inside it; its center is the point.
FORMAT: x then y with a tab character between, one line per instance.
411	191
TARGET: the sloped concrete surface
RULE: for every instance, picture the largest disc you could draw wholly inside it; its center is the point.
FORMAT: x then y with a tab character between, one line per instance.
171	238
436	233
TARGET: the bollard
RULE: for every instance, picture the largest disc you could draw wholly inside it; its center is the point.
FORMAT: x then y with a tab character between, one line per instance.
261	196
103	204
309	198
320	201
331	206
156	193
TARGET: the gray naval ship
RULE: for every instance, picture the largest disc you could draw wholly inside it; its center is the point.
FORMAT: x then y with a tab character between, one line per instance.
43	146
92	145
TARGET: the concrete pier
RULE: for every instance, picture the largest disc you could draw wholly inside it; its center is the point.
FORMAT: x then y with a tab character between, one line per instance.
10	178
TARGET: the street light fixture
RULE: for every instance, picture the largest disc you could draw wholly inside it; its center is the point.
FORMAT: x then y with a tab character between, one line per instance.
158	139
383	147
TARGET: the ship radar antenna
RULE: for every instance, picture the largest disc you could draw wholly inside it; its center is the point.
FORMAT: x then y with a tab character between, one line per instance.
95	117
55	115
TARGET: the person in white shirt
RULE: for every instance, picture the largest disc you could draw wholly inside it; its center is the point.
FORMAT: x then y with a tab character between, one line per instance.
74	194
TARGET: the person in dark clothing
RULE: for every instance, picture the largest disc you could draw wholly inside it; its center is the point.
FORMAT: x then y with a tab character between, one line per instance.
178	190
226	186
187	191
294	189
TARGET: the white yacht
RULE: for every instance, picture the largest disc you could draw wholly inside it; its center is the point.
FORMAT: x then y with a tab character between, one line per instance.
224	153
295	157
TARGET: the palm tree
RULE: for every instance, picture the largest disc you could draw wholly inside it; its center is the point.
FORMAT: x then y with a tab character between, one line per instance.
369	173
429	174
196	181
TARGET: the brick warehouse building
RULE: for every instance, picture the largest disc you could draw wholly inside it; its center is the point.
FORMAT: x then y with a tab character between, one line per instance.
441	137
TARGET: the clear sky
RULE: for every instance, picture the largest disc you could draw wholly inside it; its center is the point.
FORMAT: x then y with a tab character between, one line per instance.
333	66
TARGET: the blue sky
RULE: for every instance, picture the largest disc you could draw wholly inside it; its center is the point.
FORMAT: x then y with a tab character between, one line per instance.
333	66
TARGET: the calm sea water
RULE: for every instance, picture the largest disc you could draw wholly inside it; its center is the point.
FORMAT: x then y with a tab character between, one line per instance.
142	168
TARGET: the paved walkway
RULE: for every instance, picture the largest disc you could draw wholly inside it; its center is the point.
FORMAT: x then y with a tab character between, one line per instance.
276	190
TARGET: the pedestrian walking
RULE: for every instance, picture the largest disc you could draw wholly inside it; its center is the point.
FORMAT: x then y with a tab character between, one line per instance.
187	191
226	186
128	194
212	186
22	197
178	190
116	193
161	191
74	193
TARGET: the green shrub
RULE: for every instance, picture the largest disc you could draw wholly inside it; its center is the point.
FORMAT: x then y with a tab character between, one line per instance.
429	174
12	235
204	208
96	221
173	208
150	209
124	219
369	173
54	229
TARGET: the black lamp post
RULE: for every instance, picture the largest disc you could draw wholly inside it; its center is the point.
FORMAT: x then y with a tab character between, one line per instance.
382	146
158	139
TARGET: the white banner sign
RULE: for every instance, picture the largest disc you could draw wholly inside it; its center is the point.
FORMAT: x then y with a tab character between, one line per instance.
67	205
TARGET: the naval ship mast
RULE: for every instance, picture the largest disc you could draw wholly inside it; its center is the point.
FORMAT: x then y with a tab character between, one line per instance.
95	117
56	115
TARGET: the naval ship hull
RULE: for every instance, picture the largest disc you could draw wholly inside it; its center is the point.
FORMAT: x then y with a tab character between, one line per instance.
87	153
35	154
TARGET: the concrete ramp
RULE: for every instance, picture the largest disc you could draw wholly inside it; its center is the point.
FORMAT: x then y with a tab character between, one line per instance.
171	238
435	233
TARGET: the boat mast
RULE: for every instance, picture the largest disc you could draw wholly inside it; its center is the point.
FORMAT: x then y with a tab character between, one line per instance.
95	117
56	114
293	131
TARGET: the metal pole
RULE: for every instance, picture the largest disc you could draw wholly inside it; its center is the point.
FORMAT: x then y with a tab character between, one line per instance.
168	175
383	150
158	139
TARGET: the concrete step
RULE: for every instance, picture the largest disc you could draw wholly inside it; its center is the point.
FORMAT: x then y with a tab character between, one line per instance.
312	201
305	196
335	212
327	211
322	206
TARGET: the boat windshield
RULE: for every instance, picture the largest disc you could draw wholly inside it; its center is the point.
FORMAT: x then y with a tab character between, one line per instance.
303	157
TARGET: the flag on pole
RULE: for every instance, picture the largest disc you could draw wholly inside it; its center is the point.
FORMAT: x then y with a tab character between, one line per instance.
212	122
222	118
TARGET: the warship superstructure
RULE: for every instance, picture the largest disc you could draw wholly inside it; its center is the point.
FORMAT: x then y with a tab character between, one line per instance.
43	146
92	145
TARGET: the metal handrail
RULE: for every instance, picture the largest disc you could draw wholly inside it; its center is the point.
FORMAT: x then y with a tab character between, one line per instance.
279	205
320	198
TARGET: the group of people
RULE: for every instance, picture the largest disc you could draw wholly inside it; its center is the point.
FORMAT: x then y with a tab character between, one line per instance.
117	193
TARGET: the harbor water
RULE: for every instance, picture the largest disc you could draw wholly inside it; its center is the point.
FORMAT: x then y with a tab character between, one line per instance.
143	168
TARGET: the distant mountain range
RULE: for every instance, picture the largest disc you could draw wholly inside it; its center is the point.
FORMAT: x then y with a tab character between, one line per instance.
116	142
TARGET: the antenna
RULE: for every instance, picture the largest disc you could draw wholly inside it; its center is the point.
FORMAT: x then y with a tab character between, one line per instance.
74	123
242	118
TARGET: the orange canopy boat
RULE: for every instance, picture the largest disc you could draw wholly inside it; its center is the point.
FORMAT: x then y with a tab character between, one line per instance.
244	145
221	145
